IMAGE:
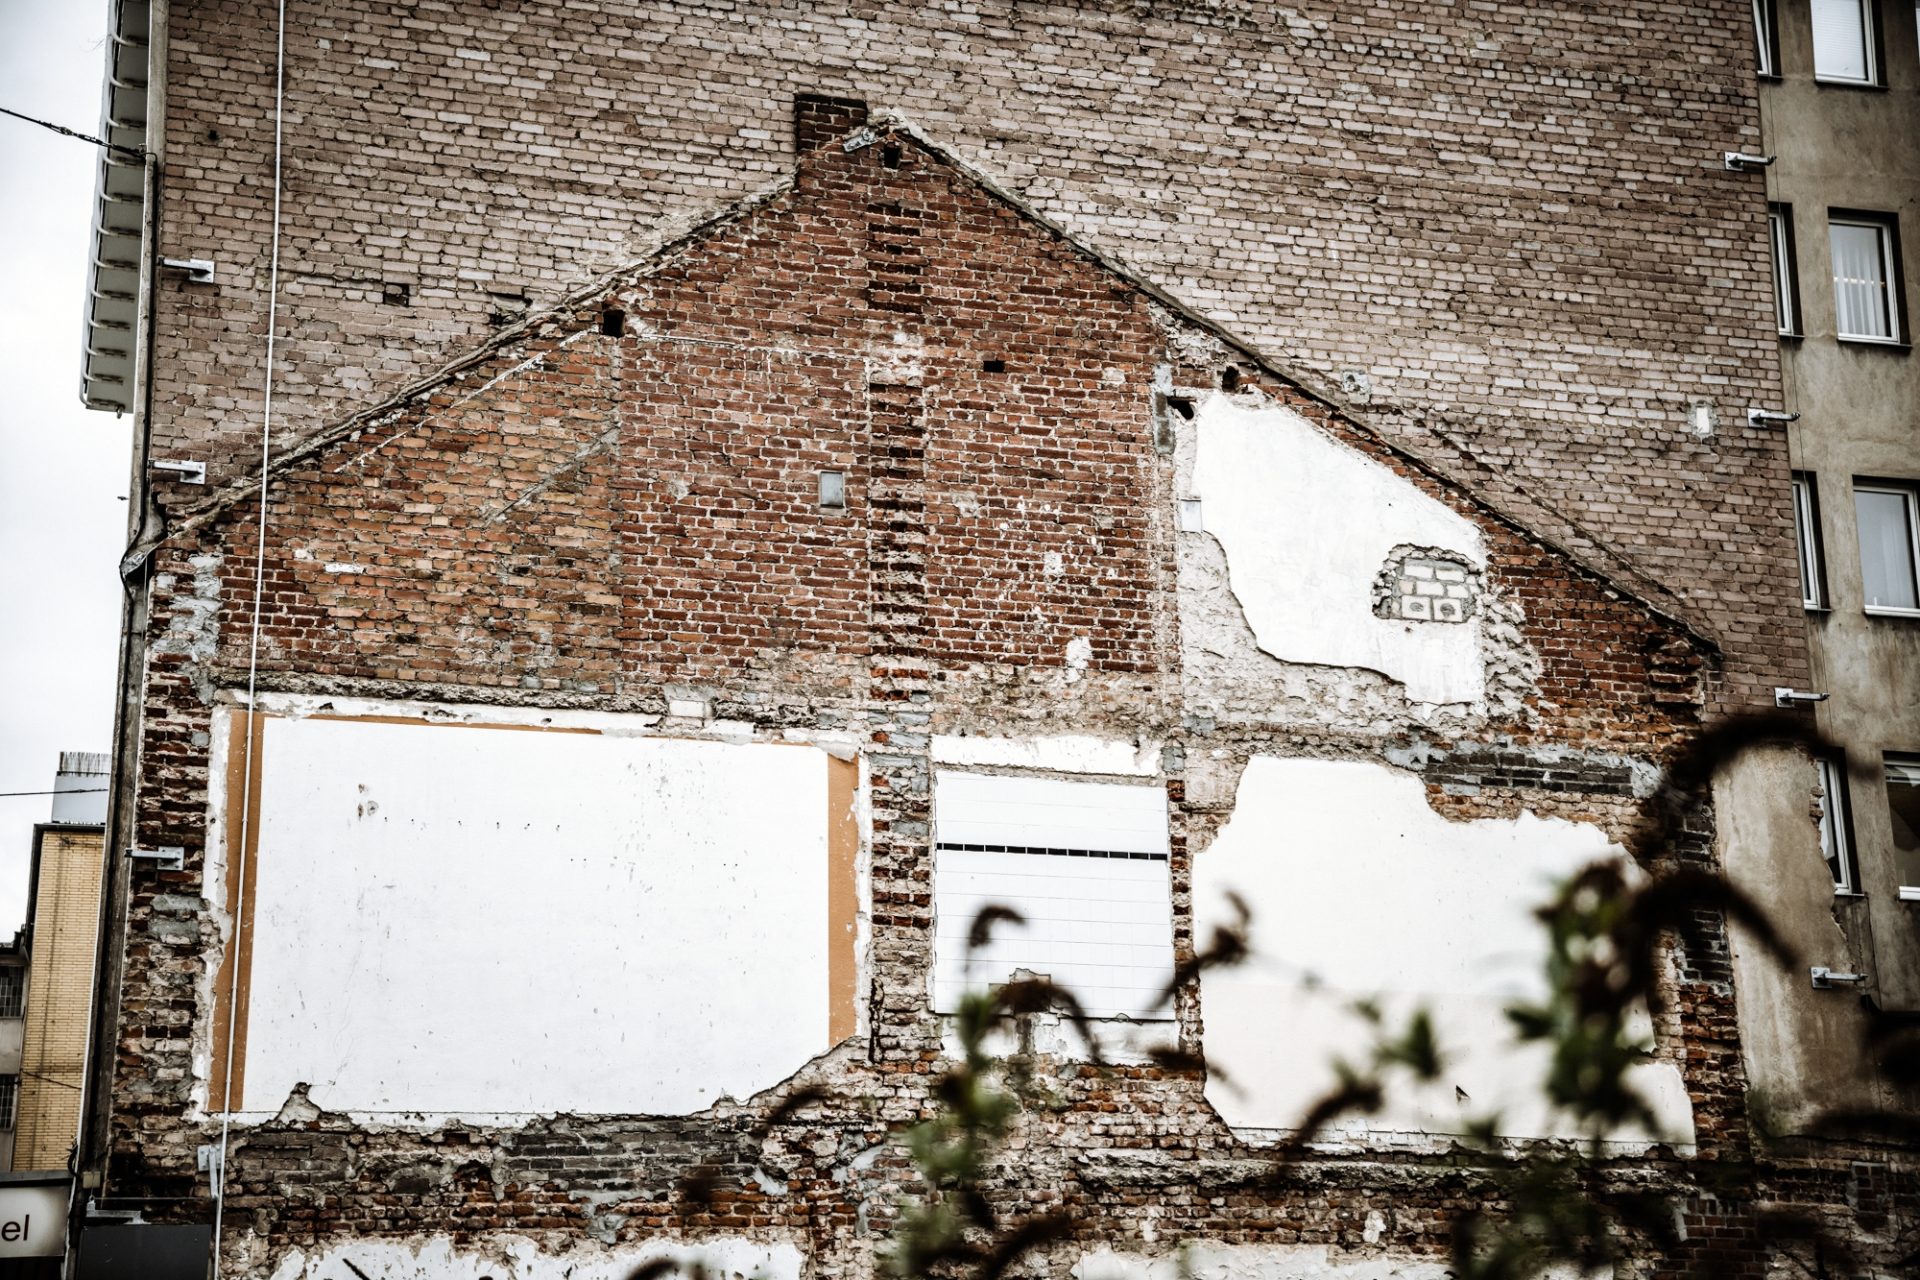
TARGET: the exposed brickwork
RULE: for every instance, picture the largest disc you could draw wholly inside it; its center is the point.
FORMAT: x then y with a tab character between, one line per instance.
1533	257
588	520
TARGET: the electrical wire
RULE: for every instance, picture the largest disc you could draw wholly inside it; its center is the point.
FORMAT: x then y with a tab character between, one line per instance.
74	133
237	861
70	791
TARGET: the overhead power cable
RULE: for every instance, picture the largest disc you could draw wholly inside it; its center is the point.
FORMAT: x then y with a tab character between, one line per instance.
70	791
74	133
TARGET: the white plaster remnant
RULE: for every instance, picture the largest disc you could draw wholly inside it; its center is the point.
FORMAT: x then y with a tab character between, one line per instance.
1258	1262
1352	878
456	920
1059	753
341	566
1198	1261
1079	657
1306	524
518	1258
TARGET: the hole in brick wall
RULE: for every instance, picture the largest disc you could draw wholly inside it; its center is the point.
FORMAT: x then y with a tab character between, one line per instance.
395	294
213	135
1182	406
506	307
613	322
890	155
994	365
1229	378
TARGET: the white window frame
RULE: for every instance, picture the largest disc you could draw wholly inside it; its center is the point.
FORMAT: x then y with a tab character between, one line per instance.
1763	38
1869	41
1889	274
1806	529
1888	763
1786	294
1836	832
1905	491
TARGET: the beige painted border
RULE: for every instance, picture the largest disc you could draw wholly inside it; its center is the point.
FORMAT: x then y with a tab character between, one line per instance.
247	730
843	895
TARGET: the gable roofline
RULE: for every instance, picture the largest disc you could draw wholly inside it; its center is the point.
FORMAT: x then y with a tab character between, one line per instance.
1608	567
1611	569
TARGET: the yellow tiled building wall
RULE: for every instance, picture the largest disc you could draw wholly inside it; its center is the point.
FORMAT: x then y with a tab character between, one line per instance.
66	918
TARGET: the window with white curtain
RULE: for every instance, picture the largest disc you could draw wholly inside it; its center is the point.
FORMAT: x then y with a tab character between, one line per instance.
1864	301
1836	828
1806	527
1843	44
1888	554
1763	37
1786	296
1903	814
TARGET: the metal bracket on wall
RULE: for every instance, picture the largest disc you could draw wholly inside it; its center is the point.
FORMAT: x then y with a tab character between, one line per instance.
197	270
1825	979
188	471
168	857
1745	162
1770	418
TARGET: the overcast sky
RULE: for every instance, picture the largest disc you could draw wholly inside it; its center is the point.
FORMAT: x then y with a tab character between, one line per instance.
63	469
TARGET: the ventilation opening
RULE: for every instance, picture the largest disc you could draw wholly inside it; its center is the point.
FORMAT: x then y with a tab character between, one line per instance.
613	322
1229	378
1182	406
890	155
994	365
395	294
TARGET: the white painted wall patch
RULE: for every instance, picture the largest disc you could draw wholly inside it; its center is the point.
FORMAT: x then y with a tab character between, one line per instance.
1306	524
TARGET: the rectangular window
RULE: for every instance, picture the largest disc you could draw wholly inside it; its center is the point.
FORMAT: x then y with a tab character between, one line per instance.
1806	527
1903	809
1766	45
1836	825
1085	865
1865	303
1843	44
1786	294
13	988
1888	553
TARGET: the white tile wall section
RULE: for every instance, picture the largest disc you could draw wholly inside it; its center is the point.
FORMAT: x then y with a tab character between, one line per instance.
1049	813
1098	920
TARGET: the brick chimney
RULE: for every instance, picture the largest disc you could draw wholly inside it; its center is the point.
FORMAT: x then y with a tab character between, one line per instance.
818	119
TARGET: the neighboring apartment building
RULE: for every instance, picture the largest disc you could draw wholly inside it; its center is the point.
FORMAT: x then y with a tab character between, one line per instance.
1258	447
1840	118
62	933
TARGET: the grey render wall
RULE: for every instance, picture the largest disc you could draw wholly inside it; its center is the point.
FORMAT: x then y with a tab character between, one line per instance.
1844	148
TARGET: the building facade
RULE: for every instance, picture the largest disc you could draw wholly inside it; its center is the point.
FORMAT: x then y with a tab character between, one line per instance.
61	937
880	461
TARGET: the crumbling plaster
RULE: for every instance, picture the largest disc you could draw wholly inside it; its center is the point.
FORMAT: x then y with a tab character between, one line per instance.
1358	889
1306	525
1276	589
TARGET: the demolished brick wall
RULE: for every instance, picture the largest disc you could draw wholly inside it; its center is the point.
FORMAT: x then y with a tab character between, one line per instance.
583	520
1510	224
